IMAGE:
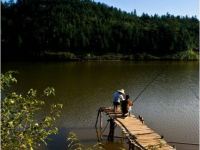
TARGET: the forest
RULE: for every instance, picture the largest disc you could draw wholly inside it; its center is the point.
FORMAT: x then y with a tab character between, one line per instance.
41	29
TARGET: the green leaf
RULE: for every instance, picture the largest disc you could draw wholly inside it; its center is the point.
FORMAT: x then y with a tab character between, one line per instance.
49	91
19	119
32	93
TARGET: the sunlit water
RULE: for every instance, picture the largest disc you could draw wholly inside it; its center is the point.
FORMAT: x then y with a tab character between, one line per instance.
169	105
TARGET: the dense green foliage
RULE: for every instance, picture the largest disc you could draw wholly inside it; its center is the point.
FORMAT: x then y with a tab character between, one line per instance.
20	126
81	27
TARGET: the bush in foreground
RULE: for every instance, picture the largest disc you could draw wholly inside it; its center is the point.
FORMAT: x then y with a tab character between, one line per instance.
20	128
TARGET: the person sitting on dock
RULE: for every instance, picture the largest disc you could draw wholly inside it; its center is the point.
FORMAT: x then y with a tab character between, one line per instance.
126	106
130	104
118	96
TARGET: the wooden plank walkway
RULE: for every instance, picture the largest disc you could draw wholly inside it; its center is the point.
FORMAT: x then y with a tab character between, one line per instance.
139	135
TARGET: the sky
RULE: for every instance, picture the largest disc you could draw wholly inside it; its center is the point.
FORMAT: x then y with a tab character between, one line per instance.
160	7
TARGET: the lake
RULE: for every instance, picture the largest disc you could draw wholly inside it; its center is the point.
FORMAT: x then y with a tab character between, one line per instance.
169	105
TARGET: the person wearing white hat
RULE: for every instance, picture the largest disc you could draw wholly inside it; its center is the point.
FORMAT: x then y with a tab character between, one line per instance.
118	96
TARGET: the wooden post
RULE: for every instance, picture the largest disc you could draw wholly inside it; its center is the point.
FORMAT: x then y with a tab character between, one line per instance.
129	145
122	134
97	119
112	130
100	125
133	146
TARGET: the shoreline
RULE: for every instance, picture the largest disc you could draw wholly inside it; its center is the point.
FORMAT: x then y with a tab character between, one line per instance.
63	58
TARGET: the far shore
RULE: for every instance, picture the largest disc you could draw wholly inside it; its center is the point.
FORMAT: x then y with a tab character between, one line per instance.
189	55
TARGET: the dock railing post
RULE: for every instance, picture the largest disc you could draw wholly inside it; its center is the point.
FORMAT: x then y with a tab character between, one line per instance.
100	125
112	130
100	122
131	146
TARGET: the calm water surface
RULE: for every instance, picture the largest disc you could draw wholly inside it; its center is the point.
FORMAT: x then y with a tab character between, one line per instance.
170	105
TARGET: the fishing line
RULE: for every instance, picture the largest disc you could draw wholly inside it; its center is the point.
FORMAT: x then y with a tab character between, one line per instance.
196	96
184	143
149	83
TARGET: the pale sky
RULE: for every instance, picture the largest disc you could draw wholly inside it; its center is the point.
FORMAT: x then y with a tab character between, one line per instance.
160	7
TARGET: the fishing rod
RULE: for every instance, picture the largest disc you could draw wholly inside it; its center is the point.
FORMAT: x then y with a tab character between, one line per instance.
184	143
149	83
196	96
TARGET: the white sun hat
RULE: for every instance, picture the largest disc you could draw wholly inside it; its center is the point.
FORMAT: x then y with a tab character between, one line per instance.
121	91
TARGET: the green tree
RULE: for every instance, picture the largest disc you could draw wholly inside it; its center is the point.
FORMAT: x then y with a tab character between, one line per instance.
20	127
33	27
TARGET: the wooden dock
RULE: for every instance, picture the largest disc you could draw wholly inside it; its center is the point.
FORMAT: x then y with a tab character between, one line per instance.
138	134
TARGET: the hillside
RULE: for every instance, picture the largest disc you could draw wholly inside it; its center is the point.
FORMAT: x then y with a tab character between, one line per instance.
79	28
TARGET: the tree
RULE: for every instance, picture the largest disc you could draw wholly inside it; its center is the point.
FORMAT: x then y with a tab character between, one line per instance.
20	128
33	27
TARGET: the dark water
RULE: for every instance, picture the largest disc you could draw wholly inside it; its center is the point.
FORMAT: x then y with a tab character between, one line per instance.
169	105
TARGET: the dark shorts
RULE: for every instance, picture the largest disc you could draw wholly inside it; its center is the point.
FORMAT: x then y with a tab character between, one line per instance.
116	103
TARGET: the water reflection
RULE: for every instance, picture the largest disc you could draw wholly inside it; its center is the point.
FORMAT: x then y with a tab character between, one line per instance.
169	105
